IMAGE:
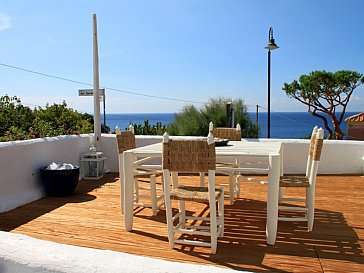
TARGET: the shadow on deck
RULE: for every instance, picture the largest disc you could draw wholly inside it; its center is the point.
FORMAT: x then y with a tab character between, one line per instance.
91	217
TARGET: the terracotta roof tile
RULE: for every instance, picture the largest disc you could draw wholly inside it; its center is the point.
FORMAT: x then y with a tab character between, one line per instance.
357	117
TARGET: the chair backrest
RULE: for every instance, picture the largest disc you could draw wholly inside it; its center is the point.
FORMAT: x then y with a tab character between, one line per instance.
310	150
125	141
316	155
188	155
232	134
319	143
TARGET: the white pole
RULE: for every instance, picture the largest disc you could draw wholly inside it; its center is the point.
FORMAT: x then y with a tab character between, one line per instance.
97	124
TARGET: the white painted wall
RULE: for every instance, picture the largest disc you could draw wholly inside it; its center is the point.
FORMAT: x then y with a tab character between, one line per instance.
338	156
20	161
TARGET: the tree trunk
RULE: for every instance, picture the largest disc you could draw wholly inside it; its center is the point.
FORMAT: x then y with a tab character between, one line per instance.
338	132
326	124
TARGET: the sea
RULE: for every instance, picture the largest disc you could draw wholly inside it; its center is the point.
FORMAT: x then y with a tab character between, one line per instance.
283	124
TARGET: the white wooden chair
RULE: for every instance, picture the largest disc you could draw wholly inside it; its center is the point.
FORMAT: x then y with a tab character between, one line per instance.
235	169
308	181
125	141
192	156
229	168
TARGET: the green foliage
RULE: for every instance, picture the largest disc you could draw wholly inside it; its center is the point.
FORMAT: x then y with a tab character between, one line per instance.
19	122
190	122
147	129
105	129
57	119
15	119
326	95
194	122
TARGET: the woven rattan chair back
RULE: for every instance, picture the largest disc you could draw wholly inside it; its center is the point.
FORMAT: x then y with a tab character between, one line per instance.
232	134
312	141
189	156
310	151
317	149
125	141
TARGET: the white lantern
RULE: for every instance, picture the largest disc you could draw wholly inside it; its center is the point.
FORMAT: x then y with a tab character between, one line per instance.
92	164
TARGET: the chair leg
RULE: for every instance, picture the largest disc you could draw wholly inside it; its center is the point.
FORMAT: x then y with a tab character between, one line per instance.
136	190
174	180
202	179
182	210
170	225
237	179
121	175
213	226
153	194
221	213
231	188
213	220
168	205
281	194
310	204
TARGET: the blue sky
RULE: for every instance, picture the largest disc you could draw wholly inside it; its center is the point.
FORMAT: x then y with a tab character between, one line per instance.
187	50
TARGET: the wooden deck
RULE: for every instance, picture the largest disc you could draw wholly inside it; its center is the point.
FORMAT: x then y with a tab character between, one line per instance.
91	217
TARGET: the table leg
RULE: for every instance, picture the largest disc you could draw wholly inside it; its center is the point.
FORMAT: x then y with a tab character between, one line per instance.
128	190
272	202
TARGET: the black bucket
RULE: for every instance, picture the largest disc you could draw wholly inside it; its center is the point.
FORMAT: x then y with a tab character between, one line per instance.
59	182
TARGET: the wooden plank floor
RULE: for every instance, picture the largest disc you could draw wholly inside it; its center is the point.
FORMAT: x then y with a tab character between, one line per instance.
91	217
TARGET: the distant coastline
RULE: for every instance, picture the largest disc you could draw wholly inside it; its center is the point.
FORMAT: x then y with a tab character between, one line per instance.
283	124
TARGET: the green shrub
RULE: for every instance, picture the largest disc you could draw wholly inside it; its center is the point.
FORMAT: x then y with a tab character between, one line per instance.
18	122
195	122
15	119
147	129
58	119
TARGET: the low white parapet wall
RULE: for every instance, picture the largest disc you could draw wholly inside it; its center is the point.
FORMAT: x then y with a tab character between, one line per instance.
338	156
20	161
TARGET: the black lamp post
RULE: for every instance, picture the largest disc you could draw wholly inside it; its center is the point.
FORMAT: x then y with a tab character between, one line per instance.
271	46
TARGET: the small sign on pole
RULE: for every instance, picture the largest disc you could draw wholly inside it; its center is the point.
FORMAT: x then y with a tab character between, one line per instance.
90	92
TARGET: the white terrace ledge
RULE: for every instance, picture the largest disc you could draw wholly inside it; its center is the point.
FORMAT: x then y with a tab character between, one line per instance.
36	256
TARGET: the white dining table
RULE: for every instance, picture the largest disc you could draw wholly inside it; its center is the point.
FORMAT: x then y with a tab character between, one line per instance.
235	149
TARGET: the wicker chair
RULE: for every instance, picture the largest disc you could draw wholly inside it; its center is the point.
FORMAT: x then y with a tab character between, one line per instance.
229	168
308	181
192	156
125	141
233	134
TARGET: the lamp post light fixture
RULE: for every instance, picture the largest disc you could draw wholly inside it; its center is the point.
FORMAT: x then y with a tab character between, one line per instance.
271	46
